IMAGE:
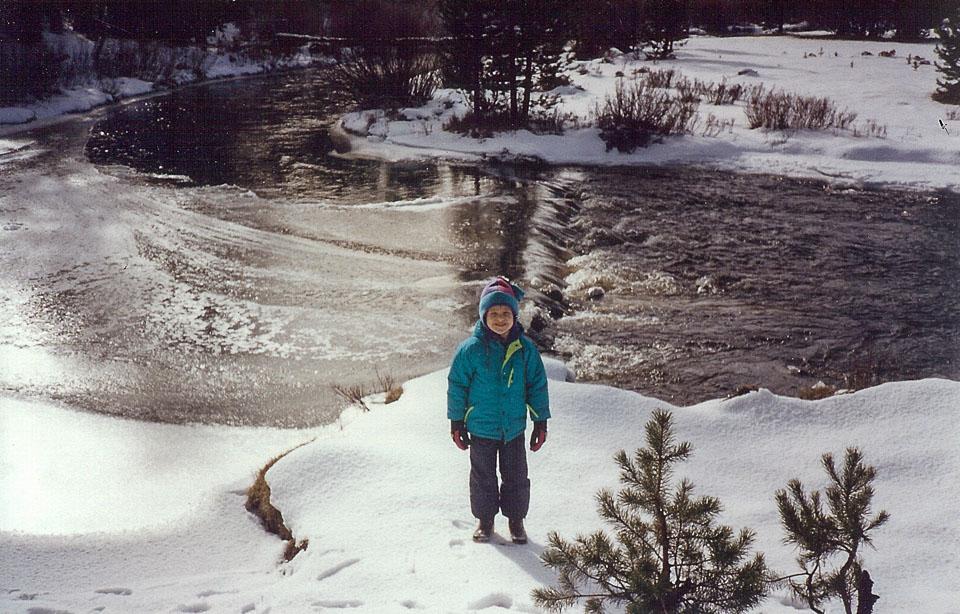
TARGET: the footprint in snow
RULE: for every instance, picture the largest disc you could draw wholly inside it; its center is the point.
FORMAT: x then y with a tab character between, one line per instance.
337	569
338	603
115	591
194	608
493	600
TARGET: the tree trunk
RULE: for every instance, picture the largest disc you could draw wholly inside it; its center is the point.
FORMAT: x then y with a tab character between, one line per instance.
527	88
865	596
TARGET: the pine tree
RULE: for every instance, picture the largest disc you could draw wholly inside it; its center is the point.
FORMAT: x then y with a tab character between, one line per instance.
668	555
830	541
664	28
948	88
500	51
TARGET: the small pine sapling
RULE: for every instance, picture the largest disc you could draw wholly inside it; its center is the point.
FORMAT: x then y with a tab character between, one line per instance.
830	541
668	555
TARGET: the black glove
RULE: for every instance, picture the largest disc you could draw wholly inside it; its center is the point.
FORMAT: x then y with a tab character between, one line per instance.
539	435
458	432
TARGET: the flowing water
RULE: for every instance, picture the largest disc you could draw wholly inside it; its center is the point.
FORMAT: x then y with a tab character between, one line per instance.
219	262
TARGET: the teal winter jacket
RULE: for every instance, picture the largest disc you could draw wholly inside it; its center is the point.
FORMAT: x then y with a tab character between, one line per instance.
494	383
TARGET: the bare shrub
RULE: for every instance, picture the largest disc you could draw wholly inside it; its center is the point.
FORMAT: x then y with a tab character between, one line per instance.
726	94
717	94
388	76
714	126
954	114
661	78
784	111
387	63
352	394
870	128
688	90
639	113
388	384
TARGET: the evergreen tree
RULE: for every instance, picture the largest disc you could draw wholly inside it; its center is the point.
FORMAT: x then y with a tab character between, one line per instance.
602	24
948	87
664	28
501	51
668	555
830	540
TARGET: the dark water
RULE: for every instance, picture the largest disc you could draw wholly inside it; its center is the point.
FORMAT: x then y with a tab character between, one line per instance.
705	282
683	284
270	135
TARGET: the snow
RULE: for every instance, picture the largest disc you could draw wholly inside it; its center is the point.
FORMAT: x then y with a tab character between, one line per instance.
97	92
118	516
884	92
103	514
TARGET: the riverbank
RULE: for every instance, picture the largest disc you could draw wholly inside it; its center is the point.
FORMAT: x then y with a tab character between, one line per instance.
88	91
896	140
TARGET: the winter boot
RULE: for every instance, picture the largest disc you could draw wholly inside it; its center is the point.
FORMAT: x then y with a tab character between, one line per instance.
517	534
484	531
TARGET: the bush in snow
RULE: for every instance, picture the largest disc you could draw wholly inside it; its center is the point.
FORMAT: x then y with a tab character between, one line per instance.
639	113
830	540
388	61
387	76
948	87
668	554
782	111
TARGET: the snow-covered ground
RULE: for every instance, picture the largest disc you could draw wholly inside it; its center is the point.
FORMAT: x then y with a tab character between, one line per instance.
110	515
887	94
101	514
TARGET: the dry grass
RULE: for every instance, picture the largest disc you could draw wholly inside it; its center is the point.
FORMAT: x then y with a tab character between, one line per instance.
258	503
742	390
820	391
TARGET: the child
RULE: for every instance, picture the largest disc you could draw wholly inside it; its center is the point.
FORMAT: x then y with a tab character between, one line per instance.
497	375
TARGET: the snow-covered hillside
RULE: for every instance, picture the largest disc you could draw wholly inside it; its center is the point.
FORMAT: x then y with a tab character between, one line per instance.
154	521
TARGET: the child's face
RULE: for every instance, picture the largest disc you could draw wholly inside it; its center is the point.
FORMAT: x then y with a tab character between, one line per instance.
500	319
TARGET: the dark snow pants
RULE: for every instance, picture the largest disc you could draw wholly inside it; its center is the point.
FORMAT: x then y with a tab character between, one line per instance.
513	495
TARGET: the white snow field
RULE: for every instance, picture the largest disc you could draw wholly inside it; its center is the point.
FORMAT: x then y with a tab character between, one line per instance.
885	92
106	515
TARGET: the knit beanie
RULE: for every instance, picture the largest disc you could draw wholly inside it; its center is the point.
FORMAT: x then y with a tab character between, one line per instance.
499	291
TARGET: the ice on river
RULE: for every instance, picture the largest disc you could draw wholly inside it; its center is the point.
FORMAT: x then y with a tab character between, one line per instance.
212	304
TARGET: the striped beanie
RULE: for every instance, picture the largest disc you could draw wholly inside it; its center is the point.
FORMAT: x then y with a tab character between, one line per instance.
500	291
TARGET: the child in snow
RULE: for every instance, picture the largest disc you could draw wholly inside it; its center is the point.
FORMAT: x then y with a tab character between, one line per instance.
497	376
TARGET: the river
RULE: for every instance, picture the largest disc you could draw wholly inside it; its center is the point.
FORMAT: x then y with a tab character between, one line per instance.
206	256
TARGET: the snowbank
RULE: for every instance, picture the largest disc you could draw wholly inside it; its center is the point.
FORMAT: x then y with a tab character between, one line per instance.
382	498
896	140
97	92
